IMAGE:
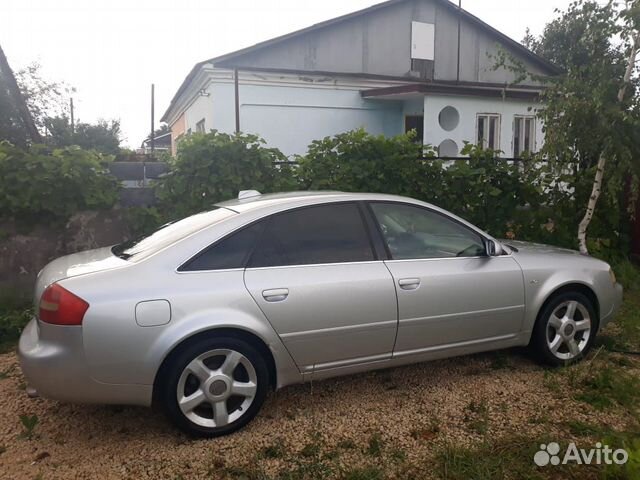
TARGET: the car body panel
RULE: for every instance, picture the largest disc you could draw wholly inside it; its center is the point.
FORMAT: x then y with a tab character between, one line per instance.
333	313
457	300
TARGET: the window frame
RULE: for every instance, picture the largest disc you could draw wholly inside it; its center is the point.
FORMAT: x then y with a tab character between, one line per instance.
520	136
376	244
200	126
483	238
488	116
365	226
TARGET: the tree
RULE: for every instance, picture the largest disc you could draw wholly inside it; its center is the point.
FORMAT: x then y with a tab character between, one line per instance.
591	111
17	123
102	136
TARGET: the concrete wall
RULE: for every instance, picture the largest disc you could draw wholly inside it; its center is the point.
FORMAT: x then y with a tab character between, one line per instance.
380	43
468	108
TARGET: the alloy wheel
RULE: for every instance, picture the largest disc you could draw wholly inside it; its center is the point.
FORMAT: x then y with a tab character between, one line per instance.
568	330
217	388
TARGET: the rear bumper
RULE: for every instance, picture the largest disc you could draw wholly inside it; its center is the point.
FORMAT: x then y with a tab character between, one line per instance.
53	361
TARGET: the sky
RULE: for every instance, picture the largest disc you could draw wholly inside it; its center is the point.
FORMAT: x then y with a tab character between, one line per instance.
111	51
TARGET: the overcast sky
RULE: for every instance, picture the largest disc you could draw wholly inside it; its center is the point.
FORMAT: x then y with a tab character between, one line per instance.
111	51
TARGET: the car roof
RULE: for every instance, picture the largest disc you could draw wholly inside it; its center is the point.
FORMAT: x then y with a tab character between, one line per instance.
278	201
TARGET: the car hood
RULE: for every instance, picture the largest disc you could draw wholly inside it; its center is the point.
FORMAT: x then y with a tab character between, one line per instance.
76	264
529	248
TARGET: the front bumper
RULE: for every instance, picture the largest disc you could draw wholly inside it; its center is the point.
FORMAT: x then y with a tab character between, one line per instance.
615	305
53	361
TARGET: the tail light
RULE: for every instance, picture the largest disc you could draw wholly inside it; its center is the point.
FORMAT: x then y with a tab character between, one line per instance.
61	307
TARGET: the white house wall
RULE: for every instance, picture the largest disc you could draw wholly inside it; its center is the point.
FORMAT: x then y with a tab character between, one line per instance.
290	116
468	109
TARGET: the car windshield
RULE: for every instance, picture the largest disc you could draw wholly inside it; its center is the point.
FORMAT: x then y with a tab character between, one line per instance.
168	234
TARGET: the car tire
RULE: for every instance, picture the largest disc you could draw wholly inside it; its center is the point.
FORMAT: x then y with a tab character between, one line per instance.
214	386
565	329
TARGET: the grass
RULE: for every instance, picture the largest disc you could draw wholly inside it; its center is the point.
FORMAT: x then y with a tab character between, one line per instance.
29	423
609	386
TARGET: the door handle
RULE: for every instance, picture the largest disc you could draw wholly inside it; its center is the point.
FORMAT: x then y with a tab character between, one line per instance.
275	294
409	283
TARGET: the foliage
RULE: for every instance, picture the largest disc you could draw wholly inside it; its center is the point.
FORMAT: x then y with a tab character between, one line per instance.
29	423
211	167
102	136
359	162
12	321
584	120
47	184
44	98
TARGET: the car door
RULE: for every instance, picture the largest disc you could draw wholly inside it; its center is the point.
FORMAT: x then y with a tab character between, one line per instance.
316	277
449	291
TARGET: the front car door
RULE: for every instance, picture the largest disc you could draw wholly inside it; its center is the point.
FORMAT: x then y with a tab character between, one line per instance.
316	277
450	293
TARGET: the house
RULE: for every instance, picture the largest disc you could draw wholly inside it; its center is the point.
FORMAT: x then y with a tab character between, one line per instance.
161	143
399	65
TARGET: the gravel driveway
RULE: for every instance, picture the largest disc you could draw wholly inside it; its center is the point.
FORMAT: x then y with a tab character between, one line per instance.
392	420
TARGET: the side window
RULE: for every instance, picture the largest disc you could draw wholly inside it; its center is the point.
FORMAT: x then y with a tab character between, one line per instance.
231	252
414	232
323	234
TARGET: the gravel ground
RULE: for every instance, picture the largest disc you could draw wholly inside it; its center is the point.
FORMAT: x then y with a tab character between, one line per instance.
406	412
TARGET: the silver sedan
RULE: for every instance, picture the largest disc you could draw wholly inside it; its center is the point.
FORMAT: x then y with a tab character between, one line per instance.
207	314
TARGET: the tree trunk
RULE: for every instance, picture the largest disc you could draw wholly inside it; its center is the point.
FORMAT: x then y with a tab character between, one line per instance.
18	99
602	160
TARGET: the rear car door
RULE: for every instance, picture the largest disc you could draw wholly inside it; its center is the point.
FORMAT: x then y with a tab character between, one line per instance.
317	279
449	291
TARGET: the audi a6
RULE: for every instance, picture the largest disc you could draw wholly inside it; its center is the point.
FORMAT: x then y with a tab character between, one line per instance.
207	314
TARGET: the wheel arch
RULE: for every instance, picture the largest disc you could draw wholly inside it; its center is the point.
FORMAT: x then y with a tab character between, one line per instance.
237	333
578	287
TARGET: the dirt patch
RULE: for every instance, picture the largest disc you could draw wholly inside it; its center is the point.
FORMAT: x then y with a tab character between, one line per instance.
391	421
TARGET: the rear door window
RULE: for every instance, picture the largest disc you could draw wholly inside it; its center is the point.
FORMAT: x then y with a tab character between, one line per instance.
332	233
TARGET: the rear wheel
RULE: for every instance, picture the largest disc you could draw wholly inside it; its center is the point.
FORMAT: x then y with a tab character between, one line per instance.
565	329
215	386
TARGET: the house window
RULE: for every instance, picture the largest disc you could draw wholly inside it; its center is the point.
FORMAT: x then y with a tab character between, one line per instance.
200	126
524	130
488	131
415	122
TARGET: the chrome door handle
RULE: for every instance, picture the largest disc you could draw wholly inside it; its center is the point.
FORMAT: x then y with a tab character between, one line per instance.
409	283
275	294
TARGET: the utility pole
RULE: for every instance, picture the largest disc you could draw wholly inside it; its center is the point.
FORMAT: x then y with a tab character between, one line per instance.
237	99
153	141
18	99
73	123
459	16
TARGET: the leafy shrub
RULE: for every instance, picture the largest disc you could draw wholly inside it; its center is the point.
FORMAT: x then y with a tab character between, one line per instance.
41	183
12	321
359	162
211	167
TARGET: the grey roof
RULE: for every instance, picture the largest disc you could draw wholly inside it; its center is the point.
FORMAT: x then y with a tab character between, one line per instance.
226	60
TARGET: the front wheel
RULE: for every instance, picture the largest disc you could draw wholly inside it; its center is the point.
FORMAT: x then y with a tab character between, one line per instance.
565	329
215	386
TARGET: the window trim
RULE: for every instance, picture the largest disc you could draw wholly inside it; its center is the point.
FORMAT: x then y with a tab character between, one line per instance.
532	139
204	250
267	219
315	205
499	127
390	258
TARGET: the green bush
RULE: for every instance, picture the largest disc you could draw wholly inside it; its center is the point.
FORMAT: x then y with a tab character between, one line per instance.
45	184
12	321
356	161
211	167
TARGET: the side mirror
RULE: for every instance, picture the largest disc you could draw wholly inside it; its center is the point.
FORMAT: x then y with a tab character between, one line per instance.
493	248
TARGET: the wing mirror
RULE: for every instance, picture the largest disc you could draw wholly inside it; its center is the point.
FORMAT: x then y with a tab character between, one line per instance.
493	248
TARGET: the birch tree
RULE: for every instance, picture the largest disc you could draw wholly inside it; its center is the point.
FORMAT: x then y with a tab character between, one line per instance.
590	112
